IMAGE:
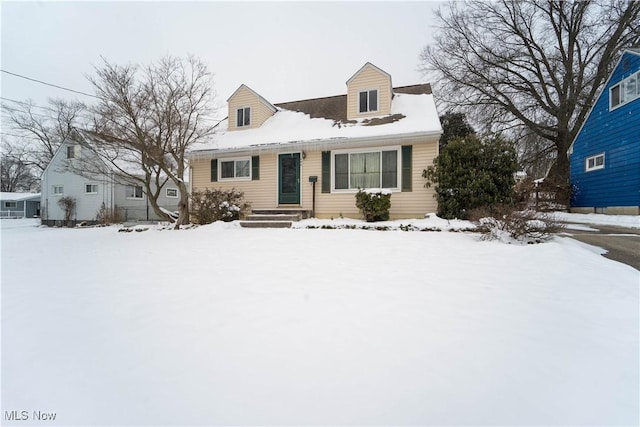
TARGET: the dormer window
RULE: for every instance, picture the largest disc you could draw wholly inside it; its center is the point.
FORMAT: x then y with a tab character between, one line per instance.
243	117
368	101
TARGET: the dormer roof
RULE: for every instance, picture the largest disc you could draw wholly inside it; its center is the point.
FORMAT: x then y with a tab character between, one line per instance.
368	65
264	101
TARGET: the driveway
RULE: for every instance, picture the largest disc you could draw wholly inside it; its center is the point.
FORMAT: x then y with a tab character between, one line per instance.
622	244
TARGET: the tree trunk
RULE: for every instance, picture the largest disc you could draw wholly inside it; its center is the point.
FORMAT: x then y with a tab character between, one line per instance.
183	205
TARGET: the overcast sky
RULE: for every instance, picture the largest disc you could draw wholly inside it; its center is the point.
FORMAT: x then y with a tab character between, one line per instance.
284	51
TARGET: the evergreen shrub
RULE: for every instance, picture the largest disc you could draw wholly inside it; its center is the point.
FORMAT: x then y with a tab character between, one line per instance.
217	205
374	204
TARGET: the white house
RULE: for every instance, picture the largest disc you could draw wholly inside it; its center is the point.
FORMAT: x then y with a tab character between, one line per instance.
95	193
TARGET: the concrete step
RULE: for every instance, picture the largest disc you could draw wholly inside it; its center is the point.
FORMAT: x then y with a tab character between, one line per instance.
265	224
304	214
273	217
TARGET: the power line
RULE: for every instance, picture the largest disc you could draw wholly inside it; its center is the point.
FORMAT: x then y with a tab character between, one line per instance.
49	84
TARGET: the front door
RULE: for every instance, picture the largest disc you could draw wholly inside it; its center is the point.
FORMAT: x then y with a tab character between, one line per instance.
289	179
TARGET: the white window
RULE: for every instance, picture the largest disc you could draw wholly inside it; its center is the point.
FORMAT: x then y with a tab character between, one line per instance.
57	190
594	162
235	169
91	189
243	117
368	101
366	169
134	192
172	193
10	205
625	91
71	151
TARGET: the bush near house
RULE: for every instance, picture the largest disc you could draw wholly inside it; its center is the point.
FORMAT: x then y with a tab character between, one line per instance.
68	205
472	172
217	205
374	204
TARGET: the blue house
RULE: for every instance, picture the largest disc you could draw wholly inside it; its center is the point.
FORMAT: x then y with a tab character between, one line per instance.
605	155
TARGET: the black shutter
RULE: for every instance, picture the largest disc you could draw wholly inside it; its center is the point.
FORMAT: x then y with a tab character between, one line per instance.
407	154
214	170
255	168
326	171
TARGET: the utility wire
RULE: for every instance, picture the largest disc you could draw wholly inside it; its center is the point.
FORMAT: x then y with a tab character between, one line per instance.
49	84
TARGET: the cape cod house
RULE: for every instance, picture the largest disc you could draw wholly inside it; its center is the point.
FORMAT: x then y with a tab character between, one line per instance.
605	155
312	156
96	191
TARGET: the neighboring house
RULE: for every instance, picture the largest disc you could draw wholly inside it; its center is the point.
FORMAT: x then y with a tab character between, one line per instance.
375	136
19	205
94	193
605	155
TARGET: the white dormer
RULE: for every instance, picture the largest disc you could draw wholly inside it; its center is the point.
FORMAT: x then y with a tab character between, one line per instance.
369	93
247	109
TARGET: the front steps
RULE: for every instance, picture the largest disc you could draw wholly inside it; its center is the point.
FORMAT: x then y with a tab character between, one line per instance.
274	218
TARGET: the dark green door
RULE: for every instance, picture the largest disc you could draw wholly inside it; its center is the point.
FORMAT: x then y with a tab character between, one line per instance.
289	179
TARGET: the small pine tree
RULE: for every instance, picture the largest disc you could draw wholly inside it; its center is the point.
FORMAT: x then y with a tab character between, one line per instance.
471	172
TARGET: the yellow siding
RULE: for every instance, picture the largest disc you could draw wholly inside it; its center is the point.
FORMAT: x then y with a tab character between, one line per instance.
369	78
263	194
245	98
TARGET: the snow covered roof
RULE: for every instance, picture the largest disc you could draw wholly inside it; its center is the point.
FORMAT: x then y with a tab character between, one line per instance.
413	112
18	197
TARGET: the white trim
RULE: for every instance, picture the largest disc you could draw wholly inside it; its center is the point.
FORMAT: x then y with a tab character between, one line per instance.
397	148
126	194
167	192
92	184
243	108
595	166
53	190
6	204
234	160
621	88
368	100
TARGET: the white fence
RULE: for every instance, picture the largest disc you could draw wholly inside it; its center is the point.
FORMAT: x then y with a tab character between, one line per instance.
12	214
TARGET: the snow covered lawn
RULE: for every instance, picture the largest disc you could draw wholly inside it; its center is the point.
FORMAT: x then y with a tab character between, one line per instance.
229	326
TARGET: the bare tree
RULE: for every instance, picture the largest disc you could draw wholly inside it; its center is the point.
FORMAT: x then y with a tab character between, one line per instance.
146	119
537	64
43	129
16	171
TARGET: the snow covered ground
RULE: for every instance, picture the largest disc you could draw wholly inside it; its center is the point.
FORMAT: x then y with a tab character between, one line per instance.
630	221
230	326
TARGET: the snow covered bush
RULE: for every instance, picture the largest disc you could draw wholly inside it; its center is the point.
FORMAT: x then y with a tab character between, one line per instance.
374	204
507	224
217	205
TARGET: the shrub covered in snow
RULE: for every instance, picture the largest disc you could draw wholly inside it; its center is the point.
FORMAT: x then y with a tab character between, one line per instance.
507	224
374	204
217	205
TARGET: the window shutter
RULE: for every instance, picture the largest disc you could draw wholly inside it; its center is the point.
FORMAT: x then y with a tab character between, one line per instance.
214	170
326	171
407	157
255	168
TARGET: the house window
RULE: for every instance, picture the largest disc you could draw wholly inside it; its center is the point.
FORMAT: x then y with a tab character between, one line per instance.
134	192
368	101
57	190
10	205
594	162
243	116
172	193
370	169
71	151
235	169
625	91
91	188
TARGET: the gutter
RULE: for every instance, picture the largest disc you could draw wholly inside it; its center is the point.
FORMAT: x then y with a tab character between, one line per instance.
315	144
